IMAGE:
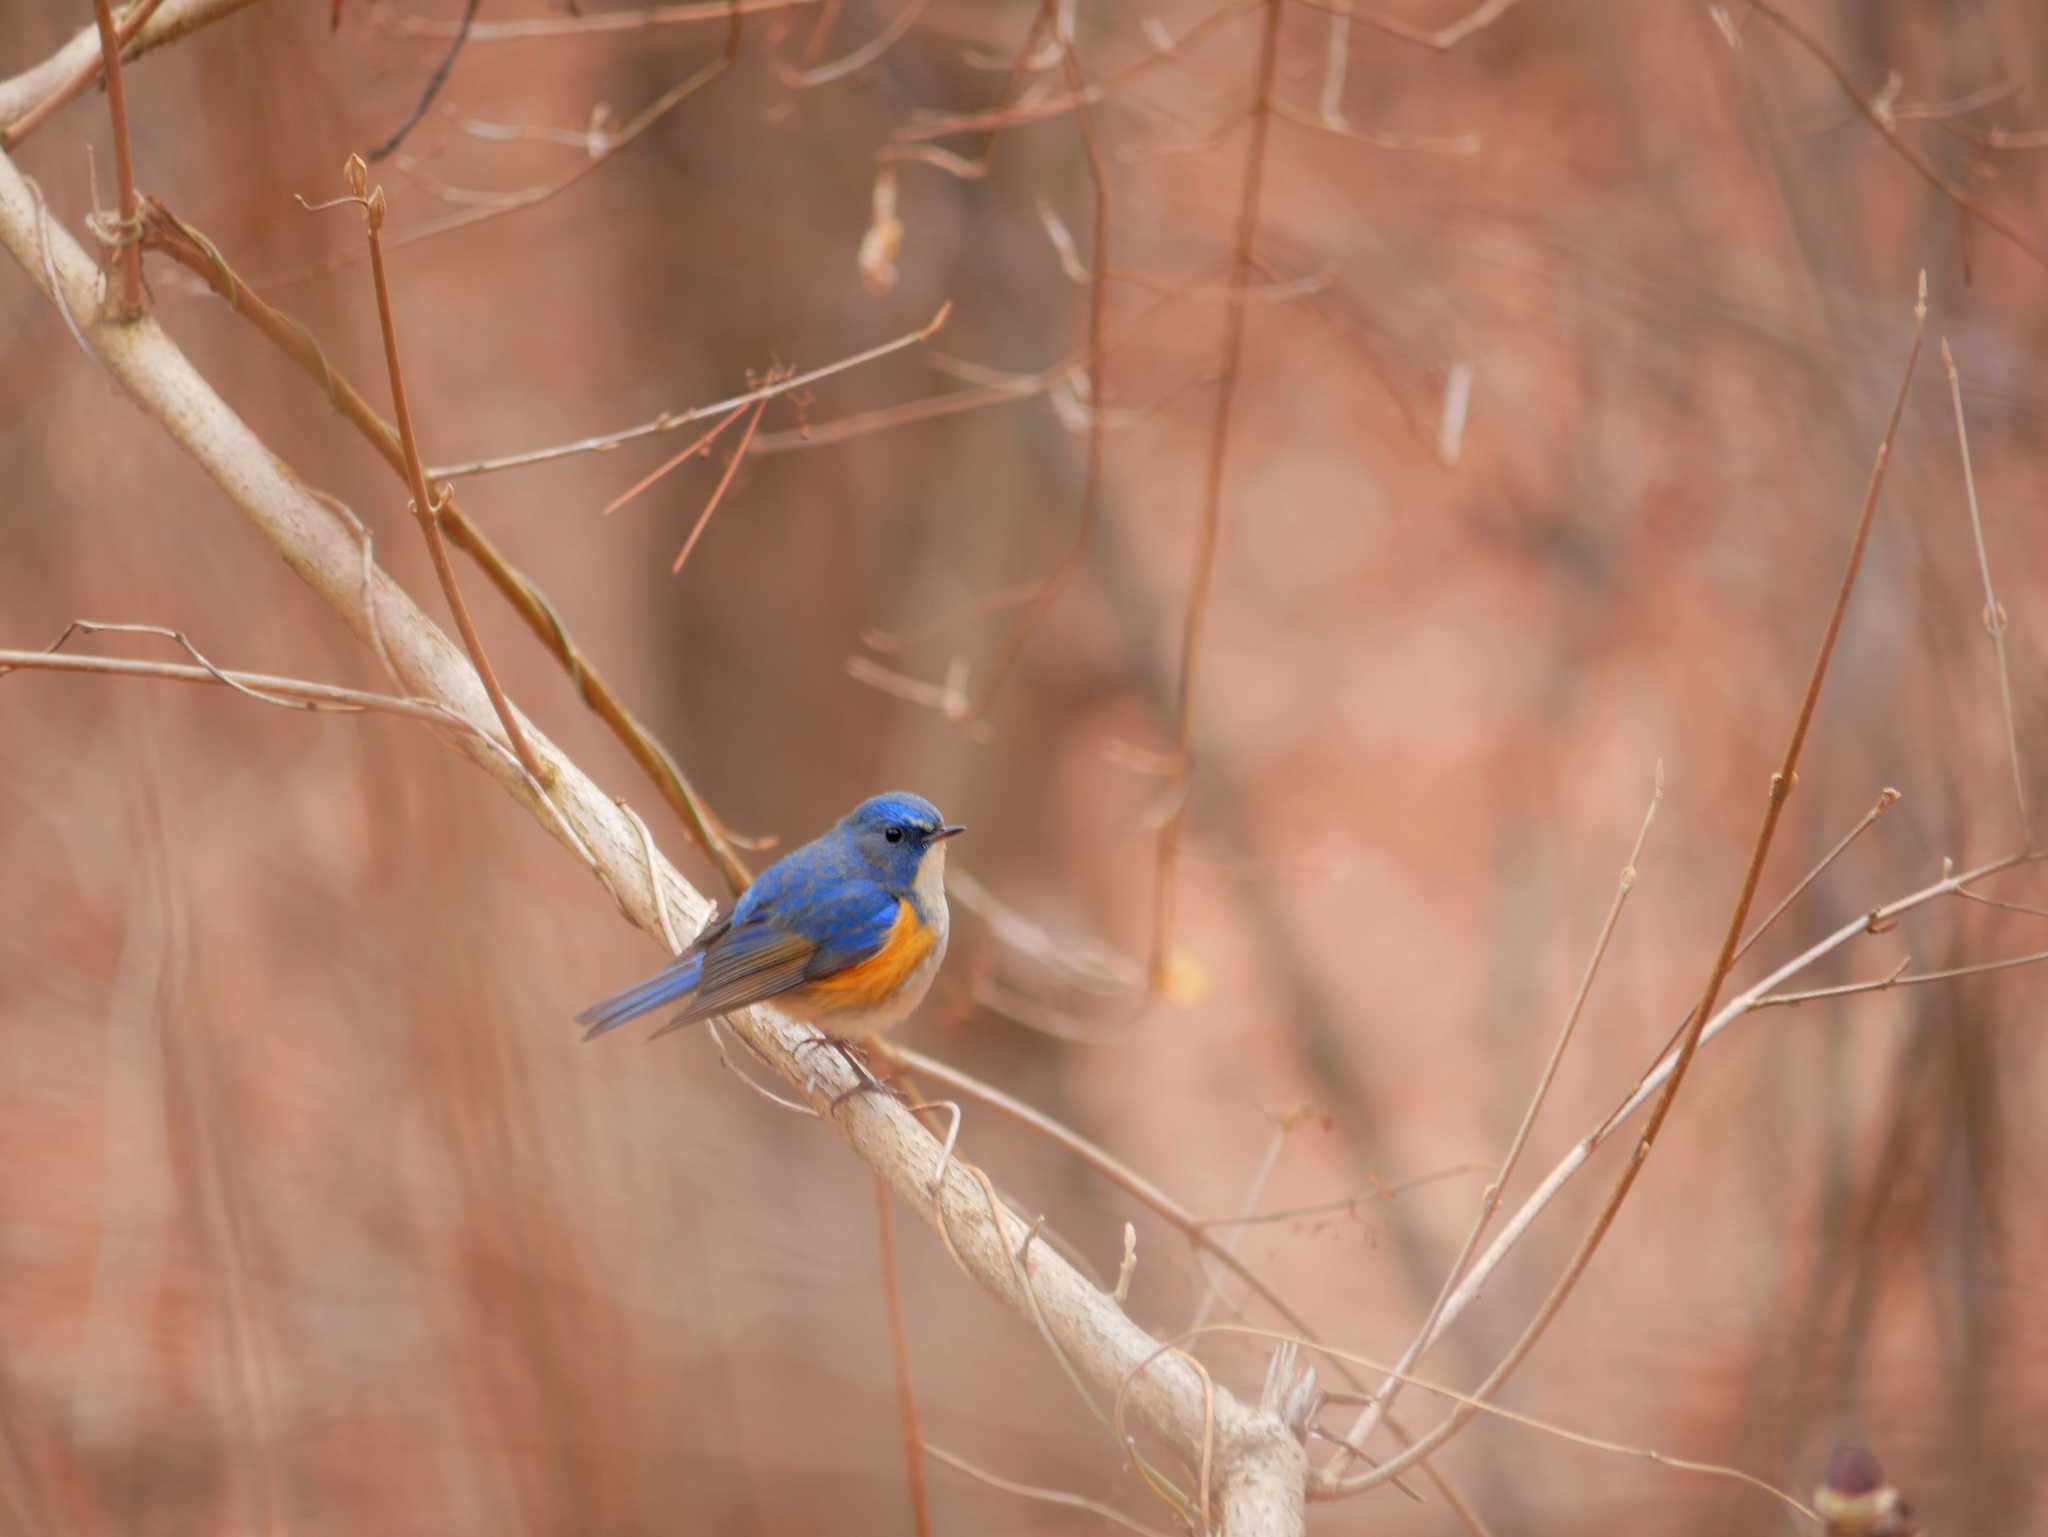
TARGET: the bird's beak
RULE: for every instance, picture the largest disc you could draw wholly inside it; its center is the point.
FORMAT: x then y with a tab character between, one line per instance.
952	829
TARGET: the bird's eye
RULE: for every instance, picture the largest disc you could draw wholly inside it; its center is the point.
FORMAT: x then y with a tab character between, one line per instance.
894	835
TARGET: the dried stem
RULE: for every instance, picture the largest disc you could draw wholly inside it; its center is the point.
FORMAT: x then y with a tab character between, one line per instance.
724	482
426	504
1994	614
1196	613
1489	1202
670	421
125	234
165	232
1898	978
433	86
29	99
899	1344
1780	790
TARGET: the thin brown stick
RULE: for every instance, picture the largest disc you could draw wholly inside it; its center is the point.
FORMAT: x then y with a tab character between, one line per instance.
1994	613
433	86
1195	616
1780	790
732	468
1489	1201
670	421
701	444
532	197
1906	151
899	1343
426	504
30	120
166	233
128	301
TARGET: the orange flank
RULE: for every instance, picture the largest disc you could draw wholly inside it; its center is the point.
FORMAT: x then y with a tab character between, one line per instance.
876	980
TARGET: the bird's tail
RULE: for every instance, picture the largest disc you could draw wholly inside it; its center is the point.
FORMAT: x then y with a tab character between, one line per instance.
676	980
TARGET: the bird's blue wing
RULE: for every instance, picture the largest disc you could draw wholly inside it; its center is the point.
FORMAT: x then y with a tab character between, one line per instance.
806	917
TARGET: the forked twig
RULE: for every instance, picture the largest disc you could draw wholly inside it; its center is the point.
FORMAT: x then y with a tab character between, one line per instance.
669	421
427	503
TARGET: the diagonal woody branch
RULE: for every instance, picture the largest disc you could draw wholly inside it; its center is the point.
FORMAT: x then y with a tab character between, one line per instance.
1256	1454
33	94
163	231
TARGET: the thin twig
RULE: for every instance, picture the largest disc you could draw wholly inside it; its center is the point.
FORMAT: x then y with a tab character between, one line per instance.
427	503
1196	613
669	421
1994	614
435	81
27	123
701	444
532	197
899	1344
290	693
1489	1202
1898	977
1382	1191
718	495
165	232
125	235
1780	790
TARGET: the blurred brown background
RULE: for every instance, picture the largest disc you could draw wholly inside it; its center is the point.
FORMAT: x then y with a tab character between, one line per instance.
316	1216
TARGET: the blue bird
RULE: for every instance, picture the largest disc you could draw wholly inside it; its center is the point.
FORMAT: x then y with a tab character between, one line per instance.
846	932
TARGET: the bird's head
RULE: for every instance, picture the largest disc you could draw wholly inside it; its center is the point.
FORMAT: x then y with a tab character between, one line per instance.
895	832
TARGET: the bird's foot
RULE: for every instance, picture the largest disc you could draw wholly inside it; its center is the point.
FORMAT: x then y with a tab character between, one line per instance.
850	1052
